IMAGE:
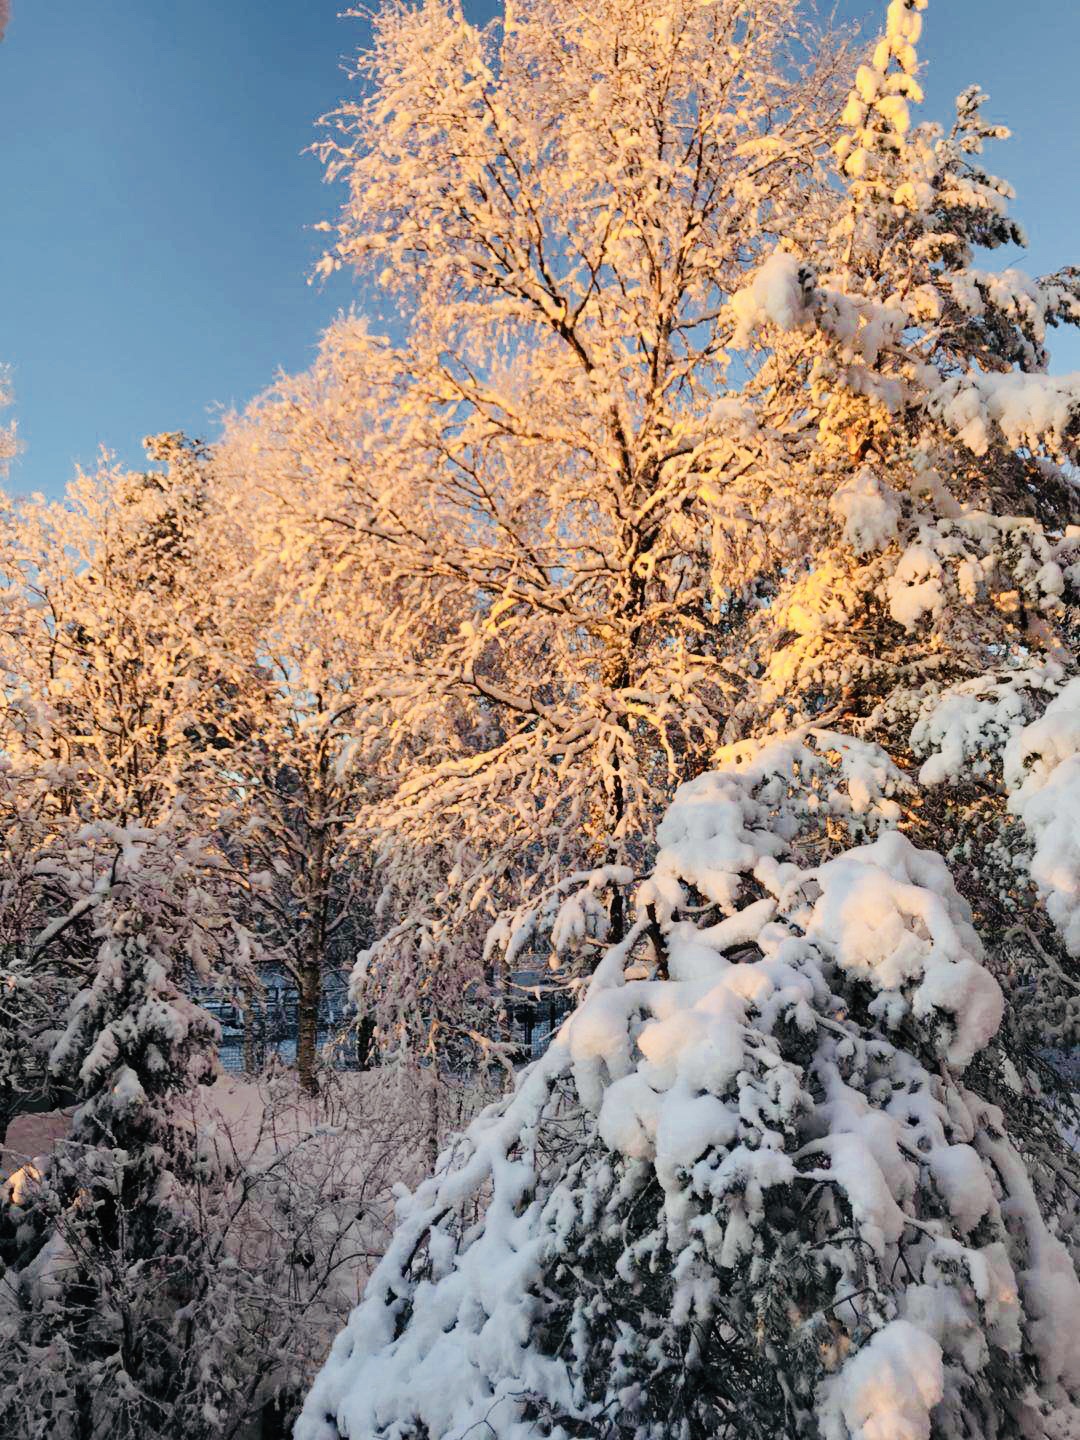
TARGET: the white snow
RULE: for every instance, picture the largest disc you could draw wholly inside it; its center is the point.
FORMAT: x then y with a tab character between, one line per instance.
915	587
983	726
778	295
869	509
1029	409
963	729
886	1392
891	914
1042	768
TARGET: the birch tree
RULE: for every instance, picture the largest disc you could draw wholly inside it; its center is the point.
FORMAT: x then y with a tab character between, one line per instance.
558	207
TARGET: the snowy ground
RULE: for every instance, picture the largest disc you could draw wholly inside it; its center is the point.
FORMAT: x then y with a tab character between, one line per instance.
30	1135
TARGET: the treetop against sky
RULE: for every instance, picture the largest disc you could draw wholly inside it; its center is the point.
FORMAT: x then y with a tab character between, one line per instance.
159	240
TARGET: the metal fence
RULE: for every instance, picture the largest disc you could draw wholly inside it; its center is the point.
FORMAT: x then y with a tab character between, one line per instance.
266	1024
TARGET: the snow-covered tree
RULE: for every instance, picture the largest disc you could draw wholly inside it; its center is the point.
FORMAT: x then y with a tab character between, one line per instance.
100	1248
935	523
111	668
558	207
304	754
747	1192
114	707
291	833
325	655
792	1167
179	1261
935	607
36	981
166	1268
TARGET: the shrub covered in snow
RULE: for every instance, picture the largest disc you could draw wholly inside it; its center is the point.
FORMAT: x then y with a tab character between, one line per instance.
747	1191
185	1274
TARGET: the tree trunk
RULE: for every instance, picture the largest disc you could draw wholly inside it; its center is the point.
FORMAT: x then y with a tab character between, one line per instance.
433	1120
307	1040
314	951
365	1042
253	1026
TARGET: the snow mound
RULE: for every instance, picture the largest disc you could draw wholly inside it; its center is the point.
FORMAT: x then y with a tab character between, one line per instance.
869	509
964	729
779	294
889	1389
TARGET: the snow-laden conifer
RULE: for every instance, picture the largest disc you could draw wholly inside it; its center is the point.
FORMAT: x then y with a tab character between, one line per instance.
934	607
103	1253
747	1191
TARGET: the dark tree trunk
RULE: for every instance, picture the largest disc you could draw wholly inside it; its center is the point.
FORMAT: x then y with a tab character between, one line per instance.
365	1042
307	1042
253	1028
314	945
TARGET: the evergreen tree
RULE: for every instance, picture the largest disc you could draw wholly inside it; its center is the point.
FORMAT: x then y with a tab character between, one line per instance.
747	1192
105	1265
934	604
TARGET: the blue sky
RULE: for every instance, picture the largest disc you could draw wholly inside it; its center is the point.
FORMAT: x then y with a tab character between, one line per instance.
154	238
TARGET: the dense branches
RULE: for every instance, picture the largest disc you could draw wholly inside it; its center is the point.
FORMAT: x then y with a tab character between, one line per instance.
675	610
734	1197
524	478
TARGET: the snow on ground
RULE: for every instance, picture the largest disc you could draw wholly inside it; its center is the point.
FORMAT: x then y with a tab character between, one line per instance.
30	1135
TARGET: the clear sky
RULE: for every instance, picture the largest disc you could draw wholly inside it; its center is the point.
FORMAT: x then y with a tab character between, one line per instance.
154	236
